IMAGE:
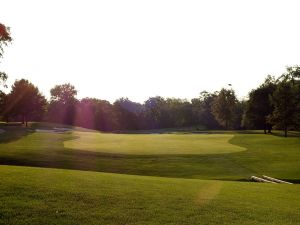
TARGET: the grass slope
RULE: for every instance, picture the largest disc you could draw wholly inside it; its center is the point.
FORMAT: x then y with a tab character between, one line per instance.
52	196
230	156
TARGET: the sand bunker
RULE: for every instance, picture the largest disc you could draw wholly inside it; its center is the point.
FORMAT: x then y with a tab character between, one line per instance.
54	130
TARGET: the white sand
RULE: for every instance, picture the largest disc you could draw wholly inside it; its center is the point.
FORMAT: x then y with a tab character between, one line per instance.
62	129
44	131
54	130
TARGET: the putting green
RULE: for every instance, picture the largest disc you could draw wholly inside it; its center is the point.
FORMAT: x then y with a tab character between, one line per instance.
149	144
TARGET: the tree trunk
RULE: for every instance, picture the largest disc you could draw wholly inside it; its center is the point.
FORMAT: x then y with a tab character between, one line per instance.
26	122
269	128
285	131
23	119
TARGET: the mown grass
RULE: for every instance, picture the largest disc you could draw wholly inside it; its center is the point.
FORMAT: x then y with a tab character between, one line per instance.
229	156
52	196
153	144
161	194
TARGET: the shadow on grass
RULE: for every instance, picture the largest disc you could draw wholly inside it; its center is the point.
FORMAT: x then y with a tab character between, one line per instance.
177	166
14	133
237	166
290	134
174	131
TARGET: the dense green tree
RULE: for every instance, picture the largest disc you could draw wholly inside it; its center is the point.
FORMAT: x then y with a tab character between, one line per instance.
259	106
95	114
127	114
64	93
3	98
286	104
202	113
25	101
179	112
156	115
62	107
223	107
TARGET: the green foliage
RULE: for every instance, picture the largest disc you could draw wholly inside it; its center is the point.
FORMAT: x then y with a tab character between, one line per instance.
224	106
62	106
96	114
286	103
3	97
25	100
201	109
259	105
65	93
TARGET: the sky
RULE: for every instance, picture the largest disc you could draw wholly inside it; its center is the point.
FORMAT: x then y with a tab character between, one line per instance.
142	48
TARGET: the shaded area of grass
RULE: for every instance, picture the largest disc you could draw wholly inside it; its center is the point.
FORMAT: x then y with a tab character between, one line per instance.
13	133
51	196
265	154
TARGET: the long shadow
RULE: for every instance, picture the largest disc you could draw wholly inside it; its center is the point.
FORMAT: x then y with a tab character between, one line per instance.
291	134
12	133
227	166
163	165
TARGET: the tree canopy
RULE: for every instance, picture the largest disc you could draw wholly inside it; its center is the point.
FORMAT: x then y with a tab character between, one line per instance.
286	104
273	104
259	105
25	101
223	107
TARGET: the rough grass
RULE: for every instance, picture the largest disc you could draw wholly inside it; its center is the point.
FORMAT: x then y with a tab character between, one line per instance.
52	196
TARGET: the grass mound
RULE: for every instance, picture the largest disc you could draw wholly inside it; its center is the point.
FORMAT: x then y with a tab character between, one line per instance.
229	156
53	196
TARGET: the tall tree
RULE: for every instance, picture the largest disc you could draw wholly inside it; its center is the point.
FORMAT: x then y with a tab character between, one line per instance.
202	110
155	112
286	104
3	98
127	113
259	107
223	107
64	93
95	114
25	100
62	107
179	112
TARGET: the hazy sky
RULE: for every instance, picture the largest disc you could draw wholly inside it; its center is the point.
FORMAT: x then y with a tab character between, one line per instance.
136	49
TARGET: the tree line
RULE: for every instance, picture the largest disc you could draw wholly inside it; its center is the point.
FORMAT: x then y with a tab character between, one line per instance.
274	104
